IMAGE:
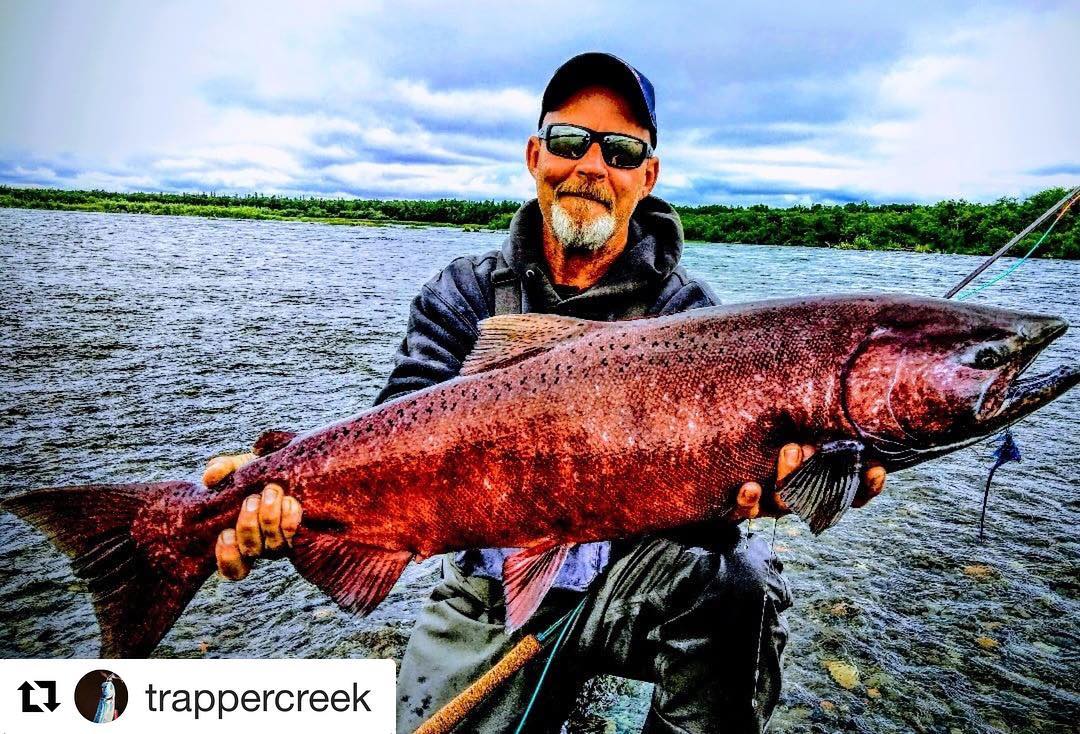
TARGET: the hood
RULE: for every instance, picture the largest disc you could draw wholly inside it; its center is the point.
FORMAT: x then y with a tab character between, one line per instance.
654	246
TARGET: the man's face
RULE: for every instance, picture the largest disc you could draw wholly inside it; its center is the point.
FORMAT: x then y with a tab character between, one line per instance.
586	202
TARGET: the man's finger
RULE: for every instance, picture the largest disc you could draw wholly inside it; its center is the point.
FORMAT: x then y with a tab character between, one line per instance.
248	536
790	458
230	564
747	502
270	517
222	466
218	468
792	455
290	518
873	483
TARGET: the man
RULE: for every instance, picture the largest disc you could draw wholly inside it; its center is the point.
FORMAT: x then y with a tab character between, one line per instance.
697	612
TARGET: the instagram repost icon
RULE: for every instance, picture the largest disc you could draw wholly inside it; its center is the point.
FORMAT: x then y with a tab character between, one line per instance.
101	696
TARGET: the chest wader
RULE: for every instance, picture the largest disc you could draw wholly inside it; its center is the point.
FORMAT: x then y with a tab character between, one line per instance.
687	618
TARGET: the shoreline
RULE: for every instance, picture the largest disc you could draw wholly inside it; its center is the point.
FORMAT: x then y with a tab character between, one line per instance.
947	227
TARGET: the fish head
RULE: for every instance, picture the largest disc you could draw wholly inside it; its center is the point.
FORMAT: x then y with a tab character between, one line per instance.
938	375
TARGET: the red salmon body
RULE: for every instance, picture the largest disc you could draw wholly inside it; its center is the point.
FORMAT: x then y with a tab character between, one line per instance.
561	431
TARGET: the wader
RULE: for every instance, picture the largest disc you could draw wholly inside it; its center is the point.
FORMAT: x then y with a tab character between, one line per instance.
697	613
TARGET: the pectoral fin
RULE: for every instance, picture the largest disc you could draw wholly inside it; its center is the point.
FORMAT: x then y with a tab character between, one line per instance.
527	577
822	488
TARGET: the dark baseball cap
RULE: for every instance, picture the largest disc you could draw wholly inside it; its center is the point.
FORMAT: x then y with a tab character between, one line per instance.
604	69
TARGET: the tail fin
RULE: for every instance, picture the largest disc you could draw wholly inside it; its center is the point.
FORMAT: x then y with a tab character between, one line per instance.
137	595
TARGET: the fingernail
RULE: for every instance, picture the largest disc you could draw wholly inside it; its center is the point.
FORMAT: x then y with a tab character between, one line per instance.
229	537
269	496
792	453
252	503
289	505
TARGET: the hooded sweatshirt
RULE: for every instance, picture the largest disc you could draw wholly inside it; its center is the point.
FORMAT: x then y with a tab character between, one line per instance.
645	280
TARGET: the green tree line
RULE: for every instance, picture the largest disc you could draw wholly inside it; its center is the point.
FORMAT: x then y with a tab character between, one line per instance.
953	226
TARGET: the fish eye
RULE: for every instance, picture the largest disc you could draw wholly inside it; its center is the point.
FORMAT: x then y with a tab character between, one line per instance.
987	356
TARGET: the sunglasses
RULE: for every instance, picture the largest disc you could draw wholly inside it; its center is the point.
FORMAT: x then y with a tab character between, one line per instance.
573	141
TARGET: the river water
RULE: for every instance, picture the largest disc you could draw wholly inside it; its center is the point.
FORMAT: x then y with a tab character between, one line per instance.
137	347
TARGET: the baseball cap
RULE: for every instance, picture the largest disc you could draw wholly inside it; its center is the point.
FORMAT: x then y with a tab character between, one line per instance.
600	68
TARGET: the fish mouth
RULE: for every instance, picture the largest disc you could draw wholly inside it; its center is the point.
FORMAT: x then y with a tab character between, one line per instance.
1023	395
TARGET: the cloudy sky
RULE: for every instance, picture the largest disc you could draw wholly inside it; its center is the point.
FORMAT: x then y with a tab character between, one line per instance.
758	101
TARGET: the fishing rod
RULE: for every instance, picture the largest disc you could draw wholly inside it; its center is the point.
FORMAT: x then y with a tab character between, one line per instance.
450	715
1065	202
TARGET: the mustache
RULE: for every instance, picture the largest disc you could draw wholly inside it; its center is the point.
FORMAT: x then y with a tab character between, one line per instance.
595	193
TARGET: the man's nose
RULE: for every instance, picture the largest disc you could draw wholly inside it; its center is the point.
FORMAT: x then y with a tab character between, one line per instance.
592	165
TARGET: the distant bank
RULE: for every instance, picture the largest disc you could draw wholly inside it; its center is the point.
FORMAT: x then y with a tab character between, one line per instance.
947	226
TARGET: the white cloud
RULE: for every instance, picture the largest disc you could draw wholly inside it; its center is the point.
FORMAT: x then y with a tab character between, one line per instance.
966	114
485	104
284	97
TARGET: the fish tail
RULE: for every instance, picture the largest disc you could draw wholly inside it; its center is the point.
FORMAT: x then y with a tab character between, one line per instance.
137	594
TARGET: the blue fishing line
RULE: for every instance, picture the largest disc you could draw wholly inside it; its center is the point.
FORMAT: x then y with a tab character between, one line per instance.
570	619
1018	263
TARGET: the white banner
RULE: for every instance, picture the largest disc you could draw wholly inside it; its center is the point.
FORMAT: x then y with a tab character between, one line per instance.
194	696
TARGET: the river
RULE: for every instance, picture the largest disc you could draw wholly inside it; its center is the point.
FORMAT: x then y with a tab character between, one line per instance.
137	347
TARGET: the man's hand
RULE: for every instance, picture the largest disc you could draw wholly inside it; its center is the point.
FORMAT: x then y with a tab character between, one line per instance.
267	521
748	502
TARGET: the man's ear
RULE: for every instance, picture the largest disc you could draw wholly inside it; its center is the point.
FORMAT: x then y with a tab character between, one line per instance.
652	172
532	154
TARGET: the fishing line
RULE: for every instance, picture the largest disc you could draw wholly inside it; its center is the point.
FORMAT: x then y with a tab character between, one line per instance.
761	626
567	621
1066	201
1001	276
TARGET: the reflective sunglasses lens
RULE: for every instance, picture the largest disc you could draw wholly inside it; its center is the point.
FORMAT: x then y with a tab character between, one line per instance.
621	151
568	142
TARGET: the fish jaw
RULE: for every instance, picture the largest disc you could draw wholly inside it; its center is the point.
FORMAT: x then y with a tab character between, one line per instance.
1025	396
1010	395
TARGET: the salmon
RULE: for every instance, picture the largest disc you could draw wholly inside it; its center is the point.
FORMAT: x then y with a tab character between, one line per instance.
561	431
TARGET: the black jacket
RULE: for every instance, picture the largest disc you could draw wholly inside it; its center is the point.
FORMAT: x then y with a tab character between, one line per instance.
646	280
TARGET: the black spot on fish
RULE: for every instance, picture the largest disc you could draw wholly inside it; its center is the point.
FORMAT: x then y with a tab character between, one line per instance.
421	679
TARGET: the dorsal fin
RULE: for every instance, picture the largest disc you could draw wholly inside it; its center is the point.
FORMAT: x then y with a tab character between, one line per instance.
505	340
271	441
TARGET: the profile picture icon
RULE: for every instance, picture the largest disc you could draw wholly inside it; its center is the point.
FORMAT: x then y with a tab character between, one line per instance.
101	696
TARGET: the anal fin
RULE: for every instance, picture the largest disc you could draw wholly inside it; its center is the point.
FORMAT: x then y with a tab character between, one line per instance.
821	490
357	577
527	578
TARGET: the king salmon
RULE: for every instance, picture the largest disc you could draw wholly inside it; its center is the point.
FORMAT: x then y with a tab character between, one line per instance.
561	431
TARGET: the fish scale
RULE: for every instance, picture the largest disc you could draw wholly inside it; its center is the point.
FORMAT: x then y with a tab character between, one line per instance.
561	431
